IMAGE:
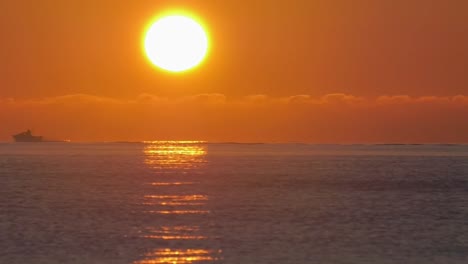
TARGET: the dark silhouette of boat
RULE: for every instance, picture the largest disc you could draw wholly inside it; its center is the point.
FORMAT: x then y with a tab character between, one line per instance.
27	137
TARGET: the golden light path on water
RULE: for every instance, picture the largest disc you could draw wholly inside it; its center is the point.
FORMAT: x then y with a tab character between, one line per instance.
176	200
177	233
179	256
180	155
176	197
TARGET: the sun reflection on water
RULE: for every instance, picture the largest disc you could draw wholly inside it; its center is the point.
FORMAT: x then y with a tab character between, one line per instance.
177	196
171	183
176	200
179	256
174	154
175	233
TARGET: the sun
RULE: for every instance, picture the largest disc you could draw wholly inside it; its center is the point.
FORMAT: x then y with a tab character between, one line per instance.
176	43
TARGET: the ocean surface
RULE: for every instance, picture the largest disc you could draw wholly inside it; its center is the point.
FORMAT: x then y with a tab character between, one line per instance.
193	202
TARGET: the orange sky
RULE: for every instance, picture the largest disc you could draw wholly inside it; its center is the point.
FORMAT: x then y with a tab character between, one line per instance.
316	71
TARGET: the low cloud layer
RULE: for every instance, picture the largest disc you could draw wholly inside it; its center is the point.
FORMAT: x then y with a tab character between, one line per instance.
332	118
216	98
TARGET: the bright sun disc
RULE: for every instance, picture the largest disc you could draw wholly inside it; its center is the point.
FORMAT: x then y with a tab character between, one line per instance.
176	43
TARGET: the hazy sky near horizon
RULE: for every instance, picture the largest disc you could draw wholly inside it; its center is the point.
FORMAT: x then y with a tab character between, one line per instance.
317	71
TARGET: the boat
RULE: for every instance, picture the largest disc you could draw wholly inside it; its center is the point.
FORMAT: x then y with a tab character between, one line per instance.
27	137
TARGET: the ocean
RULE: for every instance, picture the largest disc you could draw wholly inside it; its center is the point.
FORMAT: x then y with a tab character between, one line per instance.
194	202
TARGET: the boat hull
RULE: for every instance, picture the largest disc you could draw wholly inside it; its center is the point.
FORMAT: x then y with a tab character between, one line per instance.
27	137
